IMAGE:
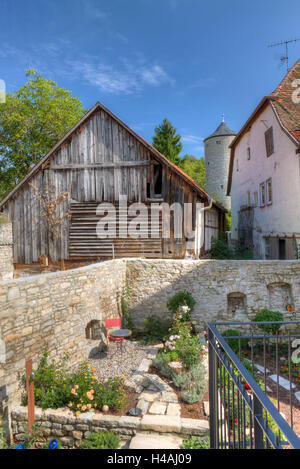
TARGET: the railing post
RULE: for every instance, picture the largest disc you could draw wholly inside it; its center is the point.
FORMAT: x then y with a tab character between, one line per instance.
213	393
258	431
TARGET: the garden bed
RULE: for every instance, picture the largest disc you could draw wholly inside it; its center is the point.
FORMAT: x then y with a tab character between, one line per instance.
131	401
192	411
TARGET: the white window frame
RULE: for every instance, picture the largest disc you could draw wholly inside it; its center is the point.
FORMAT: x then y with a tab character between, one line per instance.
248	198
269	202
261	202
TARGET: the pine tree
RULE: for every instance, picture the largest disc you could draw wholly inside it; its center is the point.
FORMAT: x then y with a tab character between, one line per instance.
167	141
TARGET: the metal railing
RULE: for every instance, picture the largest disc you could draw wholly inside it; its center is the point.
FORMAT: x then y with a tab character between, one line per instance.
247	389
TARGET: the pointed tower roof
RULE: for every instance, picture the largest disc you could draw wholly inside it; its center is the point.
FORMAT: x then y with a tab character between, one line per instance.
221	131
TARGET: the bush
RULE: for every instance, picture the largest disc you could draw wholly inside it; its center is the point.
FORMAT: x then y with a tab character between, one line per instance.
182	298
267	315
189	349
170	356
234	343
221	250
155	330
87	392
195	442
161	363
198	384
3	441
49	384
81	390
103	440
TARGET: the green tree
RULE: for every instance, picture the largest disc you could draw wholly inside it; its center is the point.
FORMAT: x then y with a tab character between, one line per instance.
195	168
167	141
32	120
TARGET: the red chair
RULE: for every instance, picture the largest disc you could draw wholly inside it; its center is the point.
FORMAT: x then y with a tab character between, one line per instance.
113	323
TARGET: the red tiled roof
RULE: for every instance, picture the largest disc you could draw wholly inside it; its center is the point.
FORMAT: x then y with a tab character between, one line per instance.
287	108
288	111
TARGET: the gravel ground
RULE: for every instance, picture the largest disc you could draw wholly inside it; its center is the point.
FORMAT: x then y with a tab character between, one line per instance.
117	363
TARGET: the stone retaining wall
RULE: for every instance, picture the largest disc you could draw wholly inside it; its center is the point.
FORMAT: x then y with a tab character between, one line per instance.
6	249
63	425
223	290
52	311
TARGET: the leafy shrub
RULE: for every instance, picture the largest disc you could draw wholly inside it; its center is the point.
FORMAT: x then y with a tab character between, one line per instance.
267	315
195	442
181	380
197	386
3	442
221	250
182	298
155	330
87	391
103	440
161	363
234	343
49	380
81	390
170	355
189	350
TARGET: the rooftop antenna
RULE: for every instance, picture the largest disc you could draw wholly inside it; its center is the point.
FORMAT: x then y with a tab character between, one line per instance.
285	58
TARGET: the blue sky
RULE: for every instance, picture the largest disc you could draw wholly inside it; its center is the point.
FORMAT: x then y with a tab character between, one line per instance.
187	60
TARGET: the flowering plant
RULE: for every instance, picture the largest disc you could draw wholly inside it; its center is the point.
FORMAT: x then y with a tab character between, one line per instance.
87	391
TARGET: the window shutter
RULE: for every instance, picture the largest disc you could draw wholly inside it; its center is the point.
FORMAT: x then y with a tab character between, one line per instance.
269	141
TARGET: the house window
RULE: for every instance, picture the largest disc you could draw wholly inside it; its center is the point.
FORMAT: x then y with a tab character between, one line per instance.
262	192
255	198
249	197
248	153
269	192
157	179
269	141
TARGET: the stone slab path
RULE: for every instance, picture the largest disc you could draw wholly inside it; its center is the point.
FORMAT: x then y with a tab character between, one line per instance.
160	410
154	441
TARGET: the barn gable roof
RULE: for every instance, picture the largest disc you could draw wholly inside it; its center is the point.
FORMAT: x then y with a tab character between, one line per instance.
99	106
286	110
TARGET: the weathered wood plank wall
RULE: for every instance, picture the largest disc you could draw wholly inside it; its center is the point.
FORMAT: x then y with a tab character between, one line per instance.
99	162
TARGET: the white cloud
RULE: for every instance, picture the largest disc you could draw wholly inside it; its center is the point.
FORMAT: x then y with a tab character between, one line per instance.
123	78
191	139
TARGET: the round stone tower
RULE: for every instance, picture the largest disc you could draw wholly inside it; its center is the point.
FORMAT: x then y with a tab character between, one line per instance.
217	156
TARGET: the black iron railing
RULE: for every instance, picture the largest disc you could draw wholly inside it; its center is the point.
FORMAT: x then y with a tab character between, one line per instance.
253	383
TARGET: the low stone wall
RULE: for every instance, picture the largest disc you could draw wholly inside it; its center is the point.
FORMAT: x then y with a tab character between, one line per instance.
223	290
52	311
70	430
6	249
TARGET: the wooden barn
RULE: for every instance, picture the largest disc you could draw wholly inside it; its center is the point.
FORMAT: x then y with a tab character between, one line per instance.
54	208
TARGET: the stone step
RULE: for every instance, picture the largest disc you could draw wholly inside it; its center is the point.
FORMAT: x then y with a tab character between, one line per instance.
150	441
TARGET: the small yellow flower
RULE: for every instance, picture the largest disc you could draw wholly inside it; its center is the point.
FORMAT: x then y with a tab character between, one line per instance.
78	412
89	406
